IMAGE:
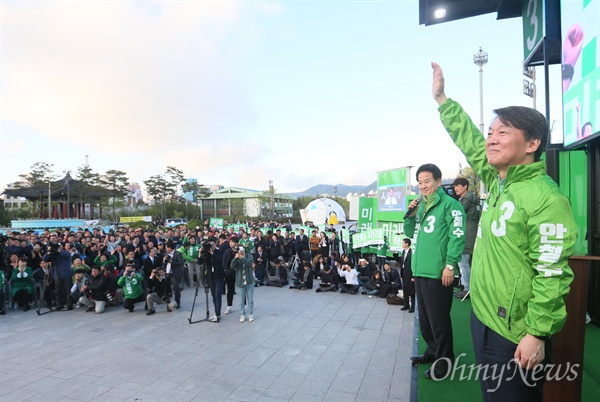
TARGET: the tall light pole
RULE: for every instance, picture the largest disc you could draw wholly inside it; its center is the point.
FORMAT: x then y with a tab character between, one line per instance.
480	58
50	191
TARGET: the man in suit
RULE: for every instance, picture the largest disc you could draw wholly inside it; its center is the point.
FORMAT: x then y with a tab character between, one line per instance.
151	263
408	283
174	268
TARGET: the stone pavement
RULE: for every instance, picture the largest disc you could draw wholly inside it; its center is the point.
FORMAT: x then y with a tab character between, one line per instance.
302	346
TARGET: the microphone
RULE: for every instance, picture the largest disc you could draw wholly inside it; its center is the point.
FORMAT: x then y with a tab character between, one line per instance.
411	210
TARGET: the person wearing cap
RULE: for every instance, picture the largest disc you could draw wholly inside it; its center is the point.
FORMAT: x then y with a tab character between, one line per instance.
472	210
94	291
81	278
279	272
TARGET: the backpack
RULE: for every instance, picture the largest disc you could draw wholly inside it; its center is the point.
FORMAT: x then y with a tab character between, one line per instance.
394	299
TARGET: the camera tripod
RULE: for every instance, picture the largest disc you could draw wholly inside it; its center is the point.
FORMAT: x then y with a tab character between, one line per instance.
206	282
40	301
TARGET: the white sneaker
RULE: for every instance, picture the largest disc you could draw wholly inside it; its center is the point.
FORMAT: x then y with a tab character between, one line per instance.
227	310
213	318
242	318
250	318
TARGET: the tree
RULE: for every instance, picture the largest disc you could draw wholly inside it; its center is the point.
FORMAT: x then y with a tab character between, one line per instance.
198	191
176	178
157	187
116	182
39	178
90	178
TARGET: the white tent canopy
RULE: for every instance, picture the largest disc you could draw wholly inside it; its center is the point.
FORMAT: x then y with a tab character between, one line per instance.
323	210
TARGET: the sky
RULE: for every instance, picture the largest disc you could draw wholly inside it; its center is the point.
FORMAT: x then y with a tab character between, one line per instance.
238	93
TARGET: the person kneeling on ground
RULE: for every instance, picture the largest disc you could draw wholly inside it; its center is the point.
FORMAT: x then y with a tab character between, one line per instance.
304	277
329	280
278	274
162	291
131	282
94	291
351	275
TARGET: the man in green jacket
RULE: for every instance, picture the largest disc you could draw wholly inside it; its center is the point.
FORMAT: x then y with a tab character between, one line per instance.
131	282
438	226
520	277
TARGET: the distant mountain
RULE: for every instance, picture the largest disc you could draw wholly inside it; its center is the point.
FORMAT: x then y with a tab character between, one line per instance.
341	190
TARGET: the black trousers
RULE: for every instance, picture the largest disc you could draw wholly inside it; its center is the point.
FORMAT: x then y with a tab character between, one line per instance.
176	282
435	302
216	290
230	282
493	351
63	291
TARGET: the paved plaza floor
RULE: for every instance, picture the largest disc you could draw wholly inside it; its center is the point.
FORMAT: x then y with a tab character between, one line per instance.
302	346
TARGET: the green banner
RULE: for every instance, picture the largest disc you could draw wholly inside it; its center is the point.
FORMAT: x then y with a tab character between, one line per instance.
345	233
368	237
366	213
395	242
217	222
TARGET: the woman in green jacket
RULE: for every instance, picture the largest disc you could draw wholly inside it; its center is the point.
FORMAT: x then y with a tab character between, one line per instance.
22	284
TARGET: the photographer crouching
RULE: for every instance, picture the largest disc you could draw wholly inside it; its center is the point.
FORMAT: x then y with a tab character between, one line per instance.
131	282
161	290
95	291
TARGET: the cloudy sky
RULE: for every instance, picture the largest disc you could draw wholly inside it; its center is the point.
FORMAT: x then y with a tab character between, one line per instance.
238	93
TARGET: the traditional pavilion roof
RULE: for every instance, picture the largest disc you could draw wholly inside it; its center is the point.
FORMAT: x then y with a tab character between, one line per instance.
59	189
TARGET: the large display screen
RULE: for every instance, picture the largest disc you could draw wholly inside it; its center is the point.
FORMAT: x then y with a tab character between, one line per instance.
391	190
580	24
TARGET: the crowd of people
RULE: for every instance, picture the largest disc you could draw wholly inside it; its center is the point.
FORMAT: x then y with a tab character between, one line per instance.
91	269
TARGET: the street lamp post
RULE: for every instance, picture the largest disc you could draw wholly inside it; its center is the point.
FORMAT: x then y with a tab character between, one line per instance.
480	58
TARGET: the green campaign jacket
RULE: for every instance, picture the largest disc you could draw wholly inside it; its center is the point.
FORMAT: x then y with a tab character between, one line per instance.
439	235
519	275
132	287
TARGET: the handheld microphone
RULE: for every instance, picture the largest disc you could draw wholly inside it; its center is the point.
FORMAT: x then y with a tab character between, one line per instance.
411	210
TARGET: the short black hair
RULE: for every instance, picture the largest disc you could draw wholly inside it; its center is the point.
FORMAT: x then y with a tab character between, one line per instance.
533	124
431	168
407	241
462	181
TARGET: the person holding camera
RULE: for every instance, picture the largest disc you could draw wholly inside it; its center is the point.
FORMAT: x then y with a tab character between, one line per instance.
81	279
244	281
162	291
94	291
131	282
351	276
62	273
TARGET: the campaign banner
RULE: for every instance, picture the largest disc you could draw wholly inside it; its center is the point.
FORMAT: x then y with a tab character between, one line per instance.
216	222
395	242
128	219
367	238
345	234
366	213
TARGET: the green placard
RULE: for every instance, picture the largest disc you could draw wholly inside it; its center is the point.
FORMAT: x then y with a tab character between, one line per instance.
216	222
367	238
366	213
395	242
